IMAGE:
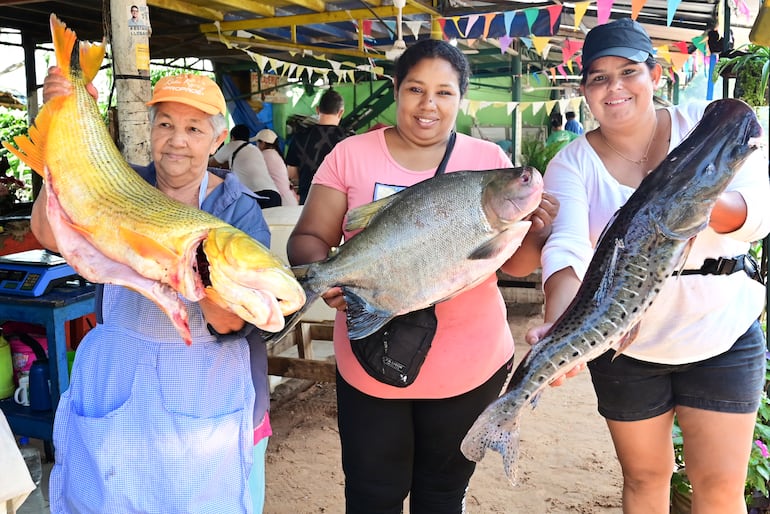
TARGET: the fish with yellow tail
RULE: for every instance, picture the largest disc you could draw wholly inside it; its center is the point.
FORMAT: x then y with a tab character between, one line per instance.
644	244
113	227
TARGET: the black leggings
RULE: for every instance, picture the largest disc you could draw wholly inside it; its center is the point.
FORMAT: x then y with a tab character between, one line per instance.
395	448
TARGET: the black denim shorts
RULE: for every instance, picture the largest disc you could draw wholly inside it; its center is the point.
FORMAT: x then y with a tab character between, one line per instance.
631	390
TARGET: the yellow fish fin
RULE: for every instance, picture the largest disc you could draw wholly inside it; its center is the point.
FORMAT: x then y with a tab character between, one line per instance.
64	41
361	216
31	147
91	57
147	247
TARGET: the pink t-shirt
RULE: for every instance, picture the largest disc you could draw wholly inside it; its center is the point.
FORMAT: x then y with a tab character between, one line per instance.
473	339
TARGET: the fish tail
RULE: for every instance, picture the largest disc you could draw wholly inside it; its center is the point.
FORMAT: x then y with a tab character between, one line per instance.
488	432
64	41
88	58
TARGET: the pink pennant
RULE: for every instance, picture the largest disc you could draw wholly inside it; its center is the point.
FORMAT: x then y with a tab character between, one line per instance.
570	47
554	11
603	8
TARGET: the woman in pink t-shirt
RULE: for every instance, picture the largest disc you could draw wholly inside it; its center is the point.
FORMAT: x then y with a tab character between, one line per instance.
405	441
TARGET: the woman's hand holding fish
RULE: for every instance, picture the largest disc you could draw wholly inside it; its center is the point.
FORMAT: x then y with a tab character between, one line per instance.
55	84
334	299
527	258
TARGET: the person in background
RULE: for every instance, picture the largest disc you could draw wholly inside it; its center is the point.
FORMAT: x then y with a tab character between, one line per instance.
248	164
267	142
573	125
699	353
558	134
406	441
308	148
148	423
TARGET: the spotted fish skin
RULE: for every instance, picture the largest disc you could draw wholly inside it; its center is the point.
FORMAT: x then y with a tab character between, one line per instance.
641	247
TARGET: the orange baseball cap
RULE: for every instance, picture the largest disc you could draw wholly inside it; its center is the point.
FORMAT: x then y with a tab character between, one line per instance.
193	90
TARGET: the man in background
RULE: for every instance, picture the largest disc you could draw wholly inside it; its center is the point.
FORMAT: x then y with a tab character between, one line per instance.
308	149
573	125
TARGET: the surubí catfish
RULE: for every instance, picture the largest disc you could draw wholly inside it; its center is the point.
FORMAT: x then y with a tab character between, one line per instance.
645	242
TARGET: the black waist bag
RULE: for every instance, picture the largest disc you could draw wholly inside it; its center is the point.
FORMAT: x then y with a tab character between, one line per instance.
394	354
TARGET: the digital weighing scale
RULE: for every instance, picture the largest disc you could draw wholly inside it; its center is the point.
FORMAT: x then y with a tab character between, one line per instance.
33	273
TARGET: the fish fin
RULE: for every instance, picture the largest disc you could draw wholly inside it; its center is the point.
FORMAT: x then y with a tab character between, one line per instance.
497	244
91	57
360	217
609	275
64	41
31	148
362	319
300	271
145	246
626	341
485	433
684	256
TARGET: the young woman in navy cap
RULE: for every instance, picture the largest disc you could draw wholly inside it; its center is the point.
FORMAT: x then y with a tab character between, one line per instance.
699	353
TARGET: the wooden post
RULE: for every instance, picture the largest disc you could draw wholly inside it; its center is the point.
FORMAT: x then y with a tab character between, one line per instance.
130	40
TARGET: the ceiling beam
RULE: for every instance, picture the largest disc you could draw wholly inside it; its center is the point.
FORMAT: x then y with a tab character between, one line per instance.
188	8
317	50
311	19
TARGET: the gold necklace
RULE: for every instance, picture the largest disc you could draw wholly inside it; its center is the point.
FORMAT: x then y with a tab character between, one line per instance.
646	151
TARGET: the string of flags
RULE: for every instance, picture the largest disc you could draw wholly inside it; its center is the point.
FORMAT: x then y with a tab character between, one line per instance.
533	27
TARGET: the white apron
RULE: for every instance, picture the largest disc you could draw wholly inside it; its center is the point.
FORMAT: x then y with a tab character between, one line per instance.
150	425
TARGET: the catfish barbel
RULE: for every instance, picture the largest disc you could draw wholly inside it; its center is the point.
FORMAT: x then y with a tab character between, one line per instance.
641	247
113	227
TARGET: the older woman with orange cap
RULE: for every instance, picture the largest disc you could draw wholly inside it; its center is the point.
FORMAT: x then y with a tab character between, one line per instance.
148	423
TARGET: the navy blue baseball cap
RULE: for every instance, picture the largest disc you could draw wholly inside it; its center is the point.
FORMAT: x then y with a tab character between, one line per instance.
620	38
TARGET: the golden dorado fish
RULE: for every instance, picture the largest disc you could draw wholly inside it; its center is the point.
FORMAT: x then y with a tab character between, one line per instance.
113	227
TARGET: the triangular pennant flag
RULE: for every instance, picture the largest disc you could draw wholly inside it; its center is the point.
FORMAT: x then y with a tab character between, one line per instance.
569	67
603	9
473	108
472	19
540	43
536	106
575	103
414	27
678	60
505	42
261	61
484	104
570	47
507	19
552	71
564	104
580	11
335	66
531	15
662	51
510	106
366	28
549	105
554	12
464	105
487	21
392	28
700	43
456	21
527	42
636	8
561	70
671	8
682	47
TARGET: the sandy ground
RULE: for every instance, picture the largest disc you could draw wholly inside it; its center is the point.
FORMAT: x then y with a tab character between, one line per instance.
567	463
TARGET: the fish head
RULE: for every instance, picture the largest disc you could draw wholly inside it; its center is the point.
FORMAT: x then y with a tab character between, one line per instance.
511	194
703	165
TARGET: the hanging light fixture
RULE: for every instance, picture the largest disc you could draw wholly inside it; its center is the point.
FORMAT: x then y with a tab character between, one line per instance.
399	46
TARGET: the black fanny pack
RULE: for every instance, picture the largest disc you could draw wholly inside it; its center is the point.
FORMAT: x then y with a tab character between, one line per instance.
394	354
725	266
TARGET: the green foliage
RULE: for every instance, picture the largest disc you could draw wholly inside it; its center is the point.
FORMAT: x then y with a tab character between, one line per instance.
537	154
14	123
752	71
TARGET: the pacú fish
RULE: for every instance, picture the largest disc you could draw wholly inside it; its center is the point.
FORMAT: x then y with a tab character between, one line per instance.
644	243
425	244
113	227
